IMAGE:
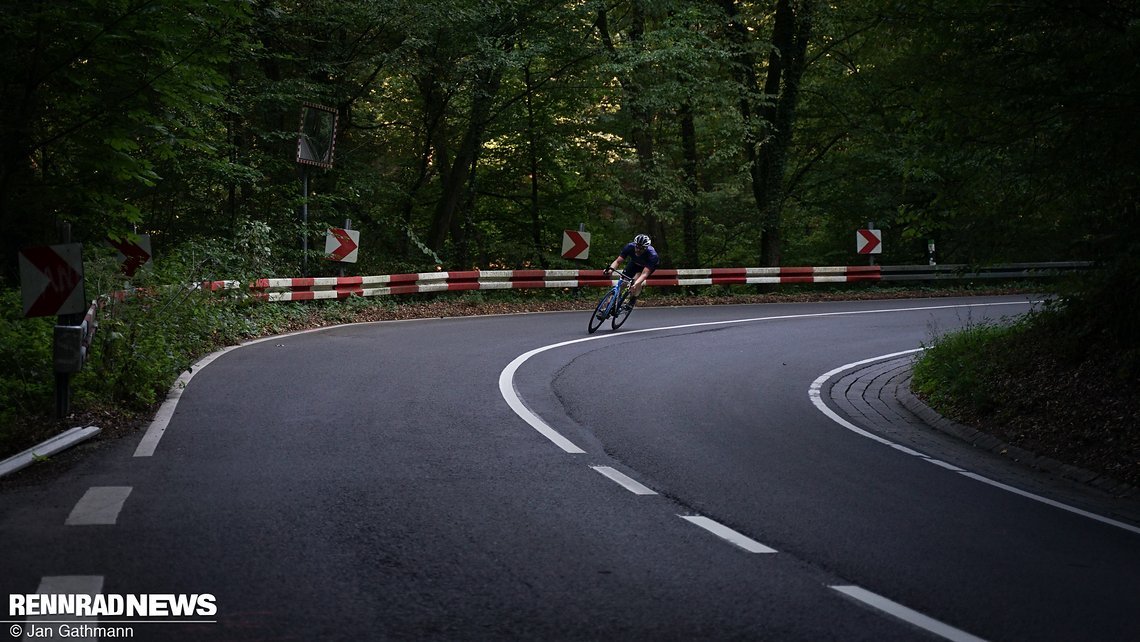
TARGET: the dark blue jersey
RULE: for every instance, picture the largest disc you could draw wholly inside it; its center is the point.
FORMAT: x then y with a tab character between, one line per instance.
635	263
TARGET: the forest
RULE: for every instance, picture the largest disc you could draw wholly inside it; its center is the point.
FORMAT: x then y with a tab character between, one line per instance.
471	133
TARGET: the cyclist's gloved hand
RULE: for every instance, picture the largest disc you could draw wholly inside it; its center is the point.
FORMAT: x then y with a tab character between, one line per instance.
608	271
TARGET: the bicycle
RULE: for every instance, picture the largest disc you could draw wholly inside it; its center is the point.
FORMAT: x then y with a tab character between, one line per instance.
612	305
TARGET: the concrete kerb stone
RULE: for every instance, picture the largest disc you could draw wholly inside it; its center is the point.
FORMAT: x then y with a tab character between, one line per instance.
59	443
988	442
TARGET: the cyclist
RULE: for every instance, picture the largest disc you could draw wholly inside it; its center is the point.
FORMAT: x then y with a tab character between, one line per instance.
643	261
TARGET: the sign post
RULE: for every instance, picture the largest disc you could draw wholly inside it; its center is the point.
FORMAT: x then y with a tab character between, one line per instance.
316	142
51	281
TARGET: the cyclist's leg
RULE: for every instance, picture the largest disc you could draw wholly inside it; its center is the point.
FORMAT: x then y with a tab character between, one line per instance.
635	292
631	294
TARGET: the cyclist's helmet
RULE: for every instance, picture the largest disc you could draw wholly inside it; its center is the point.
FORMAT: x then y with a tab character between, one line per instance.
641	241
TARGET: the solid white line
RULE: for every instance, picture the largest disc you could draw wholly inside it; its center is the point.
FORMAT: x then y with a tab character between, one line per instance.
905	614
165	412
815	393
511	396
162	418
945	465
100	505
727	534
1050	502
630	484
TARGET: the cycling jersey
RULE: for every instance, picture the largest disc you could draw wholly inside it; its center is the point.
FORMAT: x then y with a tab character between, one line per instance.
634	263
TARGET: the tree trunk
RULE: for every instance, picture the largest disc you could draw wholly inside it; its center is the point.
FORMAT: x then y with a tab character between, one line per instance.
640	119
532	145
435	103
455	180
689	212
767	157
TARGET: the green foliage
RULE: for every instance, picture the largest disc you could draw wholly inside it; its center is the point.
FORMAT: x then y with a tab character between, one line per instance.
955	371
472	133
27	380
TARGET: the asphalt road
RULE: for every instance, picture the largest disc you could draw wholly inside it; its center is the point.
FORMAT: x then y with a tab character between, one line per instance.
675	481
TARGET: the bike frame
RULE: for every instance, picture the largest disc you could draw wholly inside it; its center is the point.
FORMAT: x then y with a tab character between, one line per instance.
611	311
622	278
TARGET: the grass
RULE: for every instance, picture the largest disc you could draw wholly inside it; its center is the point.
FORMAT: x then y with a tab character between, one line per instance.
1043	385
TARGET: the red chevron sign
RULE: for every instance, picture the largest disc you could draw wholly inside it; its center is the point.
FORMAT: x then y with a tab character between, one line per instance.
869	242
575	245
132	255
51	279
342	245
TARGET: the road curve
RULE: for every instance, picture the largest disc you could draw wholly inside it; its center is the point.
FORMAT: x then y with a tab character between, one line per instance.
391	480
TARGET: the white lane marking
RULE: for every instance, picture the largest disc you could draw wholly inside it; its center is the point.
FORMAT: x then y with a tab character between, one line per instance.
815	393
64	585
511	396
946	465
158	425
880	603
165	412
99	506
627	482
1051	502
817	400
727	534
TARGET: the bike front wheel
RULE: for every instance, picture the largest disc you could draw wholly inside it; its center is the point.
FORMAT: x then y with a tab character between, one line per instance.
601	311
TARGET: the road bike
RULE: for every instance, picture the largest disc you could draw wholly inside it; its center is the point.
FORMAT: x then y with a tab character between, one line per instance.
612	305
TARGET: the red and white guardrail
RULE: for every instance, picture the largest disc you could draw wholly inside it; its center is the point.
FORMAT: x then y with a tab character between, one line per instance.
310	288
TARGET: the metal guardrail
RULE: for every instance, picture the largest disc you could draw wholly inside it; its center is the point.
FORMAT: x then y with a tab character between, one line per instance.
965	272
317	288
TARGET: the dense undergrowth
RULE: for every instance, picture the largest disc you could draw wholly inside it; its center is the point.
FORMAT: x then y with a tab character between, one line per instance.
1063	382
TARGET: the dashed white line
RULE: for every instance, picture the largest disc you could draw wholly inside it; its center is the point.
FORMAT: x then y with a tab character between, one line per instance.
880	603
100	505
727	534
64	585
627	482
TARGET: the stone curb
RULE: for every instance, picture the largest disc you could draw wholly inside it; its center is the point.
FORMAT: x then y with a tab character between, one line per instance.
992	444
60	442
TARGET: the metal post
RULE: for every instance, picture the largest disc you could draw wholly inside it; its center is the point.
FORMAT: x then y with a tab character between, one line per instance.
62	379
304	221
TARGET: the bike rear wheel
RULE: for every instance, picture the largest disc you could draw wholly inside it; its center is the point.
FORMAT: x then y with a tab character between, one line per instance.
621	313
601	311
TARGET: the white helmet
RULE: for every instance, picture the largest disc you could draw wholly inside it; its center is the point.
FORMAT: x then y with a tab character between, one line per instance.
642	240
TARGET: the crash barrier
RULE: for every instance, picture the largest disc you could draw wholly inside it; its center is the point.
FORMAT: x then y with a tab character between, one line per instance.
968	272
313	288
72	342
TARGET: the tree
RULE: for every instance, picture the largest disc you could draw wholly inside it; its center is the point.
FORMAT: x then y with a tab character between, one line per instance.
95	98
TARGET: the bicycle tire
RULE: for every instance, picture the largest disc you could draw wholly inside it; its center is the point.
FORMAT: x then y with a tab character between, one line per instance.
621	315
603	309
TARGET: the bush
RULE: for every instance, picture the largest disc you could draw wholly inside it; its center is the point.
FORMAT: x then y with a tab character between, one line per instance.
27	382
954	373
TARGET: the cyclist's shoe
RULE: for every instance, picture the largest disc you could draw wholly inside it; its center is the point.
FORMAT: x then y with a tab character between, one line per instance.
627	306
